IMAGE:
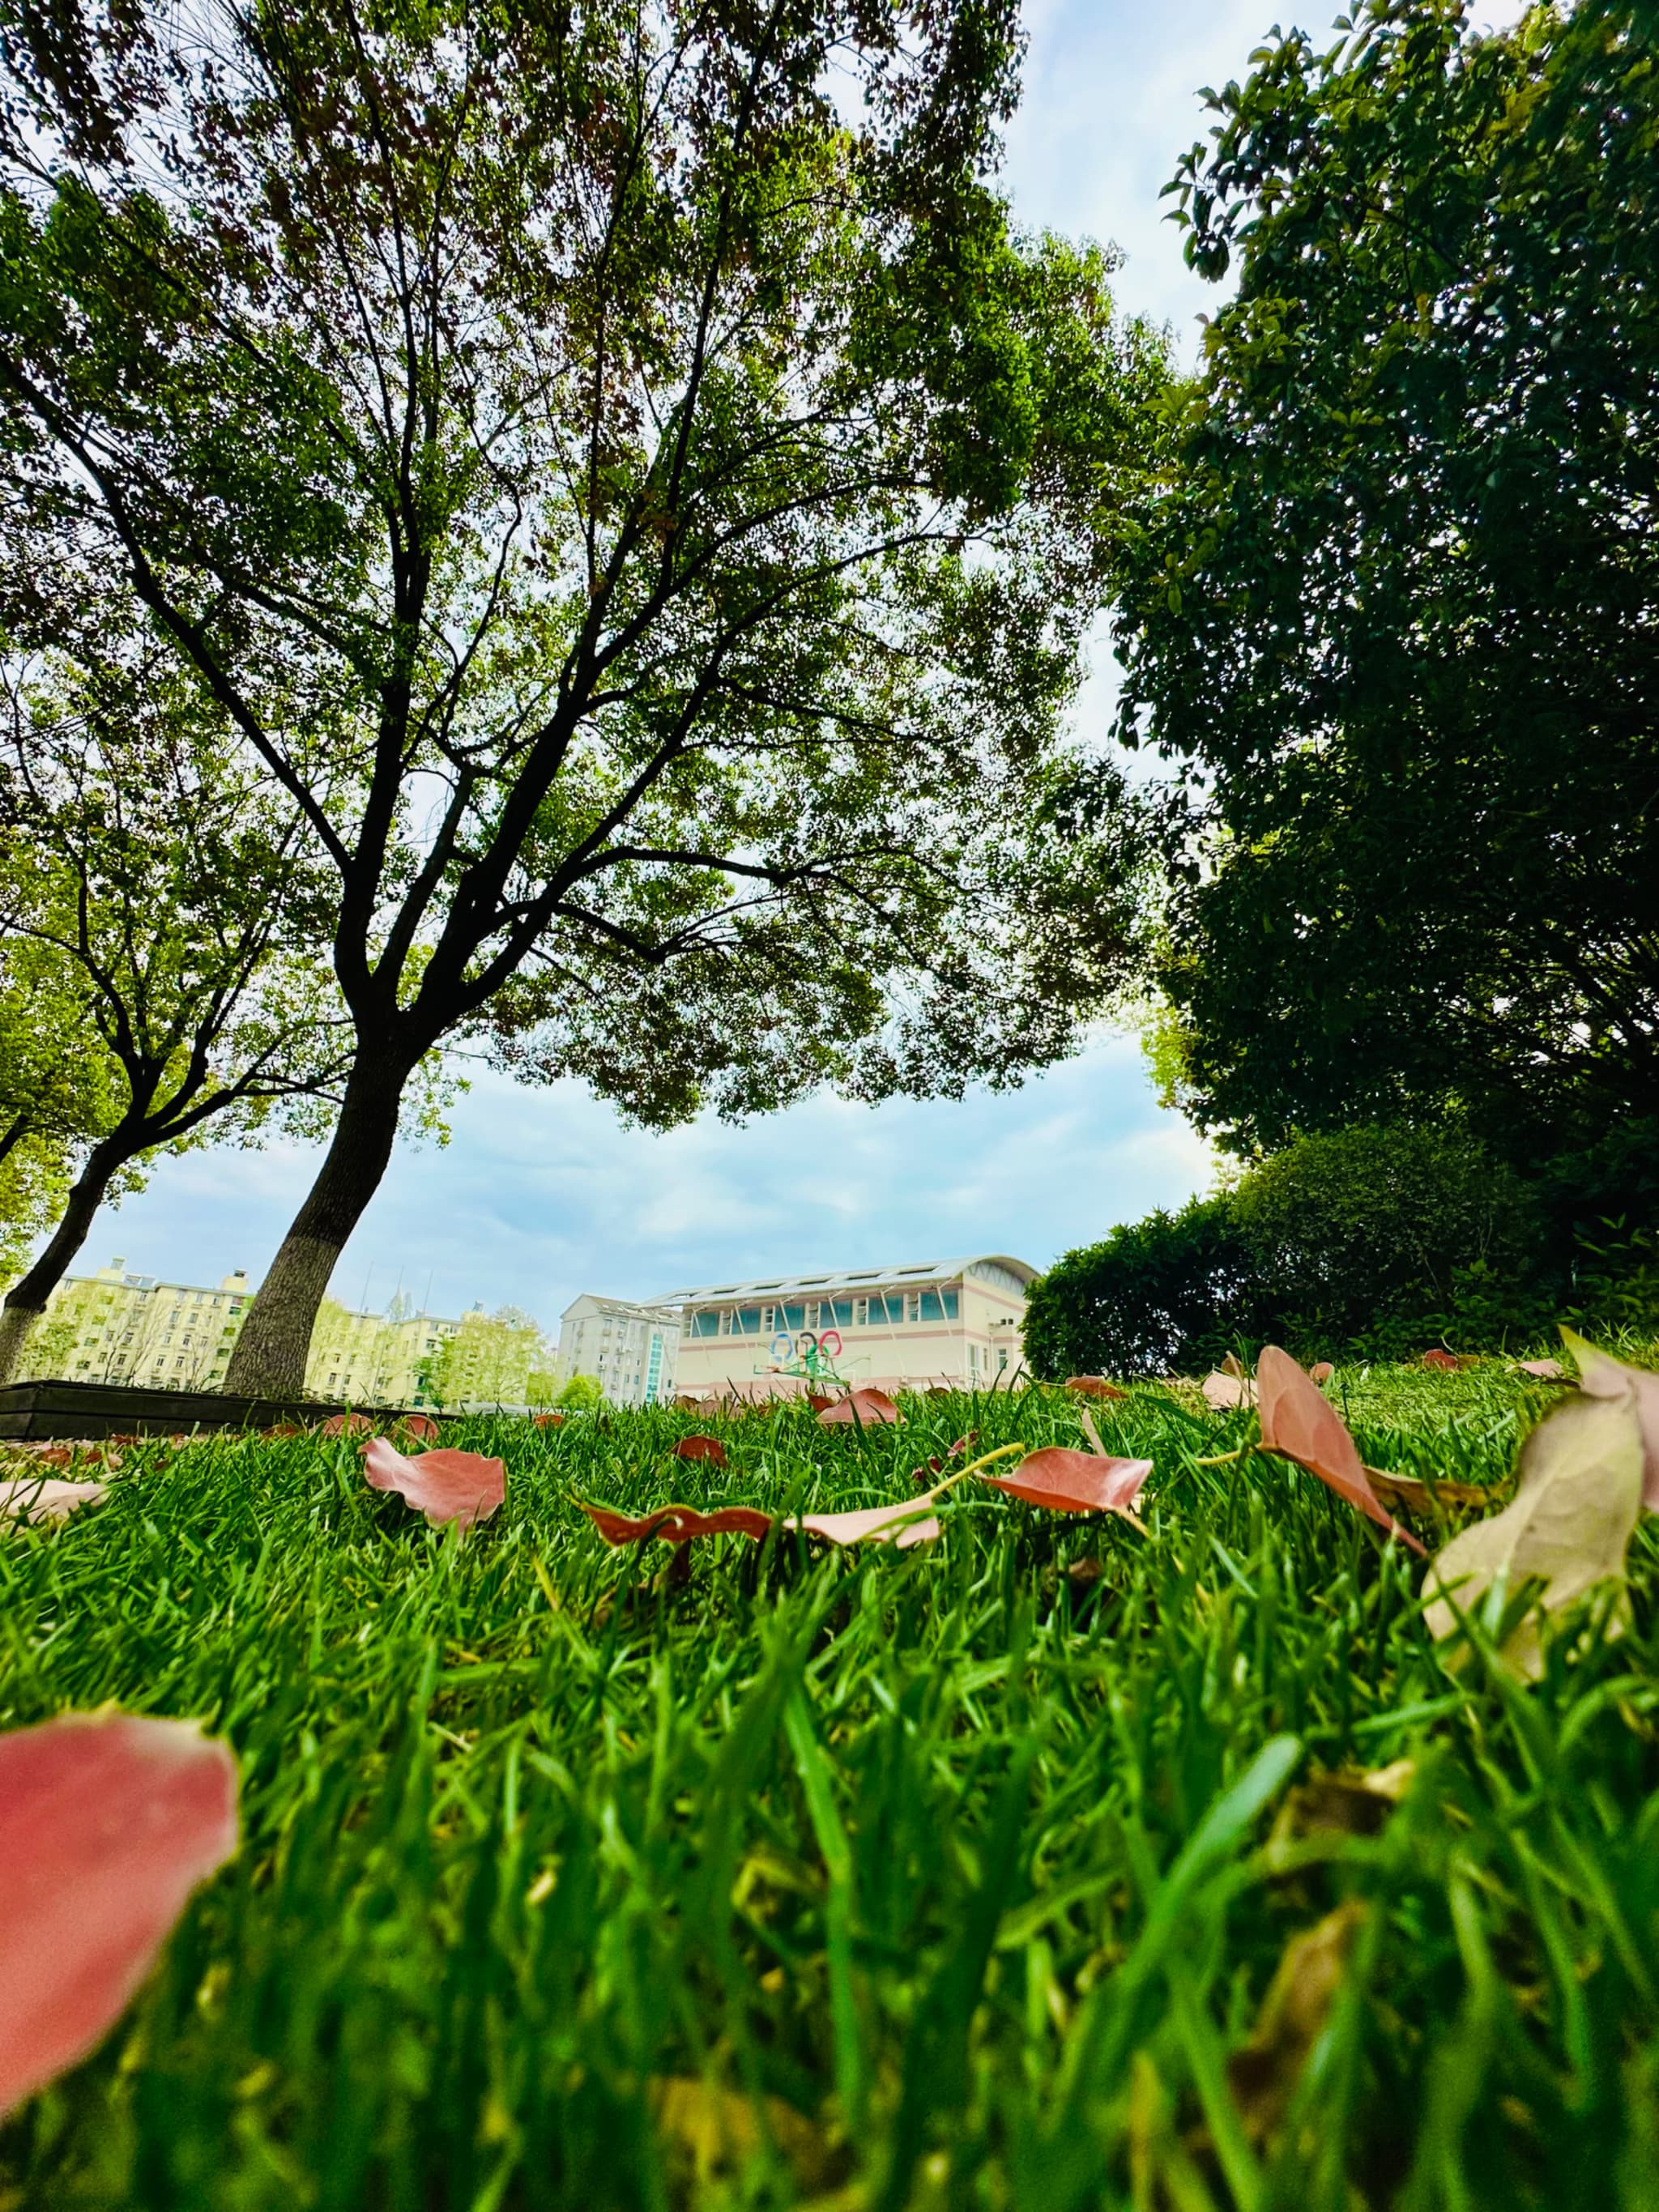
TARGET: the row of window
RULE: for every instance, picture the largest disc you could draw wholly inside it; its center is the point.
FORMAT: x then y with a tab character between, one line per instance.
888	1311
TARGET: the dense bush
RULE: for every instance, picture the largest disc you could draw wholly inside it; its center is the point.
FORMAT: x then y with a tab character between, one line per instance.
1373	1241
1363	1226
1156	1294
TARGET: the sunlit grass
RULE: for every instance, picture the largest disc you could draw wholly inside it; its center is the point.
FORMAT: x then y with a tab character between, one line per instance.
945	1879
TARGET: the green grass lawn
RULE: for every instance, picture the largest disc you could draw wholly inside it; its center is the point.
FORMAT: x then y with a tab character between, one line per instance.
952	1878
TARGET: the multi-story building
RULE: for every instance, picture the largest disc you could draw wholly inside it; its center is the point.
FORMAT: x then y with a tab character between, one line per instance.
632	1350
115	1327
952	1322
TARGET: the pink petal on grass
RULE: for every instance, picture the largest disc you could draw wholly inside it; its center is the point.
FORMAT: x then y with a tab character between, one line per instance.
866	1408
107	1823
676	1524
344	1425
554	1421
900	1525
1299	1423
702	1448
419	1426
1543	1370
1070	1481
38	1498
1222	1392
461	1486
1445	1362
1093	1386
1320	1371
1601	1376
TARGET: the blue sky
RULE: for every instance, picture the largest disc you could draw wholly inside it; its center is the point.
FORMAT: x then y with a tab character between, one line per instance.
542	1194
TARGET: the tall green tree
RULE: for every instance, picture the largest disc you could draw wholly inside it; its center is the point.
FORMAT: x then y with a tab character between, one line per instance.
172	908
644	435
1393	608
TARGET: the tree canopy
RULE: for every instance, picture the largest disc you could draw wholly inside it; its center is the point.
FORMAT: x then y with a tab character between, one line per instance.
663	488
160	982
1394	605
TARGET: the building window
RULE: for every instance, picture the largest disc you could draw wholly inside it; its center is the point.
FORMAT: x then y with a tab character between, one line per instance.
933	1307
912	1305
952	1304
861	1313
1002	1363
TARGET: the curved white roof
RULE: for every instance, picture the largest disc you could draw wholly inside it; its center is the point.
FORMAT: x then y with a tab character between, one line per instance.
852	1278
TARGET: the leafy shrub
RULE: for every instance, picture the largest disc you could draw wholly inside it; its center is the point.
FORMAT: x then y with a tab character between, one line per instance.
1377	1241
1359	1228
1155	1295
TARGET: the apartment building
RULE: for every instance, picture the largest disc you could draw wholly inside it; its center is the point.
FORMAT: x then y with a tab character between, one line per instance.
952	1322
115	1327
631	1350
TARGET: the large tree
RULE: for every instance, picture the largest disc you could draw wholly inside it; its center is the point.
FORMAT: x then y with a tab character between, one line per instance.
167	911
641	432
1395	605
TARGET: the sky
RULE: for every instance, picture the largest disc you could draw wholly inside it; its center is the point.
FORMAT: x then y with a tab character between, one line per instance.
542	1193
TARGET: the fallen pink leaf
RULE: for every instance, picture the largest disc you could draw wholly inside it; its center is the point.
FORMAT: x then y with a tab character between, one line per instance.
555	1421
343	1425
107	1822
461	1486
900	1525
1545	1370
1299	1423
1445	1362
40	1498
1070	1481
1222	1392
866	1408
1320	1371
707	1448
1093	1386
676	1524
419	1426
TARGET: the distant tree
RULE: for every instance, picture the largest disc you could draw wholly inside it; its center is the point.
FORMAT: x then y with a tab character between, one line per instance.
165	903
490	1358
582	1393
679	491
1394	604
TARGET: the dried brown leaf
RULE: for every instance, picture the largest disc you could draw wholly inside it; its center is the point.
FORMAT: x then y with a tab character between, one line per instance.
1568	1525
1601	1376
1299	1423
1263	2075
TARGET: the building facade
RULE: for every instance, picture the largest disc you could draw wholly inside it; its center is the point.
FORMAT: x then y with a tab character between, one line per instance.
956	1322
115	1327
631	1351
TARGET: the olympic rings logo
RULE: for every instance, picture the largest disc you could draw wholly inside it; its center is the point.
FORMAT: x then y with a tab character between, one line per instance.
805	1346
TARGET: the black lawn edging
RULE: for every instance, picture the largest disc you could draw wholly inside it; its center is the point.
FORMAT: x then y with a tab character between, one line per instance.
54	1412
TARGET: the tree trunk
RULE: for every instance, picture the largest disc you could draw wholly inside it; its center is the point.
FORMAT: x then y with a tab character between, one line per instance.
28	1299
270	1357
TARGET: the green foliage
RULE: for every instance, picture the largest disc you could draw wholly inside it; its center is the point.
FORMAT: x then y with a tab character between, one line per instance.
679	461
1394	603
1380	1241
582	1394
489	1359
1359	1227
980	1866
1154	1297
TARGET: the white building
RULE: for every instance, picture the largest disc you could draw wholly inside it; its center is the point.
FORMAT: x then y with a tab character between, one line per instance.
953	1321
630	1350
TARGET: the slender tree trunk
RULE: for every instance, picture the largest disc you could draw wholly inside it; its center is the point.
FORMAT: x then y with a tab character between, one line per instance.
13	1136
28	1299
270	1357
